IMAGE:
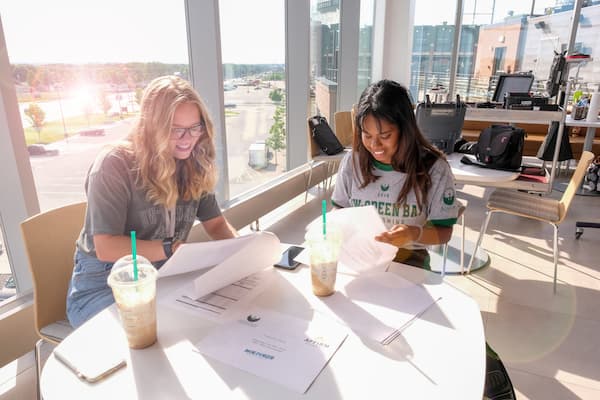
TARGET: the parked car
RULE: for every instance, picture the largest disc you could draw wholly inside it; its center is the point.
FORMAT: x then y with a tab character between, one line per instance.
41	150
8	289
91	132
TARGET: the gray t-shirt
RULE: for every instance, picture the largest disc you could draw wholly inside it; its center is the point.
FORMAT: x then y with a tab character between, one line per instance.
441	209
116	205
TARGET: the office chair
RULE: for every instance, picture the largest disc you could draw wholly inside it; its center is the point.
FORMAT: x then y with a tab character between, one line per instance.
49	239
533	206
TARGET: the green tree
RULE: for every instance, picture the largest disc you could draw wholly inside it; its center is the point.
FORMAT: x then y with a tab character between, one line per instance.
276	95
36	116
276	139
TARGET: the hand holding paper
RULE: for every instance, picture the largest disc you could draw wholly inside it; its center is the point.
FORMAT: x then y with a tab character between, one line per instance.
360	251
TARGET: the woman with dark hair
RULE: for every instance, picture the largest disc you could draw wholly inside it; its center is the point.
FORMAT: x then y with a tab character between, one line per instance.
395	169
157	182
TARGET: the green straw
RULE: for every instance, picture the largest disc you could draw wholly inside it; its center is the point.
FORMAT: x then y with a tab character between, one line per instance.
134	255
324	213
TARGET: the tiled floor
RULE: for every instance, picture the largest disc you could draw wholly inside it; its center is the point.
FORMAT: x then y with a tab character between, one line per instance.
549	342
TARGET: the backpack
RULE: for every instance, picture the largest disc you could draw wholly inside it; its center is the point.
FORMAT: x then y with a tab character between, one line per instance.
323	135
501	147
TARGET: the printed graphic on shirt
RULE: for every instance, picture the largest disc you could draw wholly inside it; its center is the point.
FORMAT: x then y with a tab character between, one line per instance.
448	196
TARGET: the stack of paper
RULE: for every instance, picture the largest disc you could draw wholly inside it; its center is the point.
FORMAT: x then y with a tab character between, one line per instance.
237	276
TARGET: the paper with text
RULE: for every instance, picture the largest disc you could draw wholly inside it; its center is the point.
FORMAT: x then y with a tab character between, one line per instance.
360	251
224	303
197	256
375	305
262	250
283	349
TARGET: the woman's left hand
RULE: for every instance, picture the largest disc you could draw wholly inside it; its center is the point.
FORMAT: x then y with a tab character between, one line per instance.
399	235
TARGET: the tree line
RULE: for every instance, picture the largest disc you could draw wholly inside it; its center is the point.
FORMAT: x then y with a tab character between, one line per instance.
134	74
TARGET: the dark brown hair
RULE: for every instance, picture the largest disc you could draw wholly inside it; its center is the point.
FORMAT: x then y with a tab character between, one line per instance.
388	100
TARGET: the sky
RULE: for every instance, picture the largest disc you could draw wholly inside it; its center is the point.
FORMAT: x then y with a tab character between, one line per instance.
81	31
252	31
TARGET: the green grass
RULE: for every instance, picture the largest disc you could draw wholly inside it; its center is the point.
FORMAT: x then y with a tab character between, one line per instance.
53	131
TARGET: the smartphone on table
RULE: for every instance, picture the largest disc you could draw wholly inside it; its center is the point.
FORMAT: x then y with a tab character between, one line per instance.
287	258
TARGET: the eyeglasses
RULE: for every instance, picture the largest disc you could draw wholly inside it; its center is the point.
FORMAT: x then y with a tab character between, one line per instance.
194	131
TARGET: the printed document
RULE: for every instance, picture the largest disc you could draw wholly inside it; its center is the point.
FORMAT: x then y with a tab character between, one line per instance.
283	349
377	305
224	303
360	251
201	255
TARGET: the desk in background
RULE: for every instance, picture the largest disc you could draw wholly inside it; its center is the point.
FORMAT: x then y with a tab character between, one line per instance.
439	355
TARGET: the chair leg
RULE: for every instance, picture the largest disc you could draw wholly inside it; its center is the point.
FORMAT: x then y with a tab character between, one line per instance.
462	245
488	215
311	163
555	253
444	259
38	366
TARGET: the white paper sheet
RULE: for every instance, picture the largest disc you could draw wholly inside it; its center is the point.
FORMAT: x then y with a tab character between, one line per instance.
225	303
280	348
376	305
360	251
262	250
197	256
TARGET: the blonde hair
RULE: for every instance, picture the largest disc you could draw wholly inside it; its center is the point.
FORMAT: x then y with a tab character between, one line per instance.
163	177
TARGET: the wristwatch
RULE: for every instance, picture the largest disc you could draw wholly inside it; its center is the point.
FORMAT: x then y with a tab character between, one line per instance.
167	244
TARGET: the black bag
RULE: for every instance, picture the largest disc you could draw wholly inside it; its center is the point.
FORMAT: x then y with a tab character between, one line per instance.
324	136
591	180
501	147
546	150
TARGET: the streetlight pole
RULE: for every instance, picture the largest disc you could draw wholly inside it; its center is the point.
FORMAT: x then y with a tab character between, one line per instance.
62	117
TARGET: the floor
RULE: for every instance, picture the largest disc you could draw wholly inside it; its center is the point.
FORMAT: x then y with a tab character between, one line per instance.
549	342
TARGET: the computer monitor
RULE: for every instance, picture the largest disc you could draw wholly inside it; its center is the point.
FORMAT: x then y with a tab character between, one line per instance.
512	83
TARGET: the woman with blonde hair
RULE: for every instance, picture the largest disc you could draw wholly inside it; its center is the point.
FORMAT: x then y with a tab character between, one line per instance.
157	182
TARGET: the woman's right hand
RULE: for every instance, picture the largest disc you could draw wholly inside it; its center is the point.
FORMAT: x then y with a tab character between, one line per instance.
400	235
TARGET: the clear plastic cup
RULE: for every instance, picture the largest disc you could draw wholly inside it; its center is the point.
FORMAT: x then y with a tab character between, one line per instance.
324	253
136	299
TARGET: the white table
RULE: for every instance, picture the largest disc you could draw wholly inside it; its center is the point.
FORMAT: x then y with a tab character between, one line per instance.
440	355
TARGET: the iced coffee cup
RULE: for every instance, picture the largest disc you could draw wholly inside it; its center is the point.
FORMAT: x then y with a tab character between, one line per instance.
136	299
324	252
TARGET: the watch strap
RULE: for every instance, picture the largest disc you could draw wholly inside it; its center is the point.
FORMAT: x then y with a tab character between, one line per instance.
167	244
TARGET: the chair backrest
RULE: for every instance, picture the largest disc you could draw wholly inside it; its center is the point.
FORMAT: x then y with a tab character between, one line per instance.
344	127
574	183
49	239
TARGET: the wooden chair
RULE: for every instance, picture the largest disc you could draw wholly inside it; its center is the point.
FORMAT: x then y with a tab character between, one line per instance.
49	239
533	206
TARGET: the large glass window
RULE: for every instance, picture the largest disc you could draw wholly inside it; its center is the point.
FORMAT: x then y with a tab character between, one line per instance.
511	38
324	49
432	47
78	77
365	45
253	52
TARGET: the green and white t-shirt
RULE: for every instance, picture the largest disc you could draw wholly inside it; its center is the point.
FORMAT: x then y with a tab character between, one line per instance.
441	209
